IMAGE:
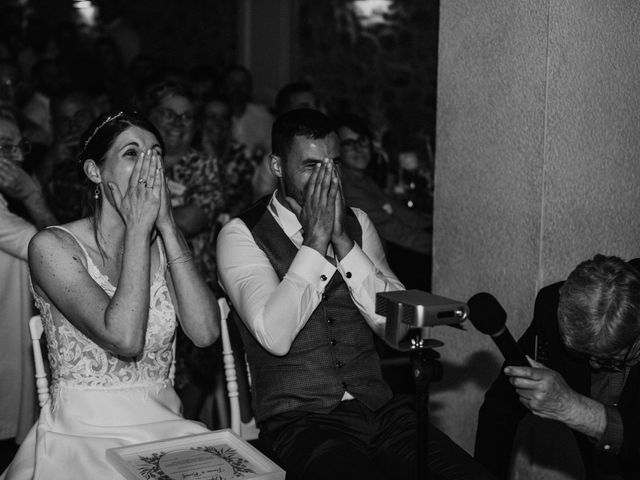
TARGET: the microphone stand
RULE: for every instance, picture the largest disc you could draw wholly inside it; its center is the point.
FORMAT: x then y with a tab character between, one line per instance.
425	368
419	311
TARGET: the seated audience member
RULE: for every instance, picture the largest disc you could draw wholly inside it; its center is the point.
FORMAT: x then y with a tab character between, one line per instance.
251	126
302	271
203	82
143	71
116	27
110	289
12	96
236	169
251	122
101	102
17	401
296	95
48	80
73	48
193	176
585	335
11	85
197	198
71	114
406	232
108	72
38	44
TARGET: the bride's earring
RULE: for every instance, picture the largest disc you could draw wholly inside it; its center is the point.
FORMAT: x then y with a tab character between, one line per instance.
96	193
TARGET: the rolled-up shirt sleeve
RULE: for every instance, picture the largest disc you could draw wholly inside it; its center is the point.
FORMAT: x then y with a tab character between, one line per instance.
273	310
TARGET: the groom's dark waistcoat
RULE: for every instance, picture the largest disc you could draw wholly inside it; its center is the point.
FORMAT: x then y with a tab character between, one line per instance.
332	353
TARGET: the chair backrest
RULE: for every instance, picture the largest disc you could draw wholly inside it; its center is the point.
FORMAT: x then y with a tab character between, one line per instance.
42	383
246	430
229	367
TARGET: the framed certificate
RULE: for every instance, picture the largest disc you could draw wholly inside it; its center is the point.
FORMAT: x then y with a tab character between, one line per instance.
218	455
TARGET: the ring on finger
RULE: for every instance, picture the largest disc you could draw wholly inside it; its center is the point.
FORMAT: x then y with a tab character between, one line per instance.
142	180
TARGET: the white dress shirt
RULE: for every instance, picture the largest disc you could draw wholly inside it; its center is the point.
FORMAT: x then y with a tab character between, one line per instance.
275	311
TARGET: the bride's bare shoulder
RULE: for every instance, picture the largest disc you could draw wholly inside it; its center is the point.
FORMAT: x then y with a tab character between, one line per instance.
59	243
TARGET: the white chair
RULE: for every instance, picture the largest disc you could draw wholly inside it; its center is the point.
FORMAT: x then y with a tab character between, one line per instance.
248	430
42	383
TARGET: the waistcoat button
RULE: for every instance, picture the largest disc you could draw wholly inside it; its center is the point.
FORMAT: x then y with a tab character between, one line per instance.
339	364
332	342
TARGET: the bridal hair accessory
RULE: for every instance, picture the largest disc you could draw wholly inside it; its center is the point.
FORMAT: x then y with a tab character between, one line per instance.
110	118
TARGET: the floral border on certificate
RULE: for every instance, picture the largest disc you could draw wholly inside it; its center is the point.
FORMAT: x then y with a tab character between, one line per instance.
152	470
239	464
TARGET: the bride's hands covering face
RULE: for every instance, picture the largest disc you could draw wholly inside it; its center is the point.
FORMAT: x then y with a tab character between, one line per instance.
165	215
139	205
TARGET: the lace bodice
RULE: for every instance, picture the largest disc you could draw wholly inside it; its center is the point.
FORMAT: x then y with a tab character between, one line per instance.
77	362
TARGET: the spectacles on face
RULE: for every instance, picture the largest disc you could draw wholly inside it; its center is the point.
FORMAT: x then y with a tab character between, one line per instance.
627	357
12	149
169	116
352	143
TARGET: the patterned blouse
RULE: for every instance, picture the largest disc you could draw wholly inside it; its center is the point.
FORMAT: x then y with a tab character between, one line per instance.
237	171
195	179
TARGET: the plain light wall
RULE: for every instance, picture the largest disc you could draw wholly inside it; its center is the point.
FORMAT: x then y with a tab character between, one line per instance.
537	165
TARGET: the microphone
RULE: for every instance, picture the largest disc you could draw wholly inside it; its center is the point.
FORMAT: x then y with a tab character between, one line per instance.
488	316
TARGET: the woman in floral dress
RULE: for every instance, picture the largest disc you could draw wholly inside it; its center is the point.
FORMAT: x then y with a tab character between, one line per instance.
197	198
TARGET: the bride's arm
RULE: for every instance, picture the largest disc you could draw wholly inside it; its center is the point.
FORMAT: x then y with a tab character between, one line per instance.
195	304
117	324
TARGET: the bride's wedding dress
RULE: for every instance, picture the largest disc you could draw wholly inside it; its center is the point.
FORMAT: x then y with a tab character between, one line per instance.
100	400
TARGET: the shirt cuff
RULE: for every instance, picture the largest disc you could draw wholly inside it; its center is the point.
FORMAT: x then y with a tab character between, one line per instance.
312	267
613	435
355	266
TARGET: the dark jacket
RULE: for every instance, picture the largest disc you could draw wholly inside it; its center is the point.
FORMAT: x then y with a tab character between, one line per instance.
501	411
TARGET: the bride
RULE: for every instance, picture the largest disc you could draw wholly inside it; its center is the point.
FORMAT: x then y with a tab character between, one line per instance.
109	288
